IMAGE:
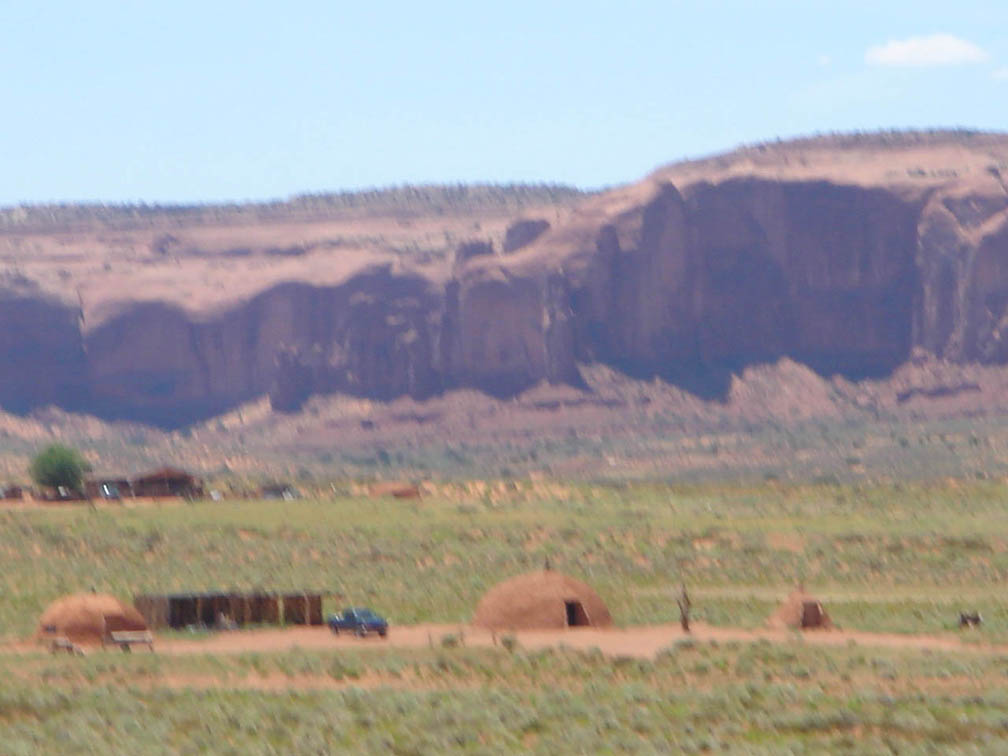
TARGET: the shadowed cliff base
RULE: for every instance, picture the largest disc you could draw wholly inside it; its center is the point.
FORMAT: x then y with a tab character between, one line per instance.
930	418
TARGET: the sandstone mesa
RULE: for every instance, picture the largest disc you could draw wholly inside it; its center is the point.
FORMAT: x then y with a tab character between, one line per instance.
843	253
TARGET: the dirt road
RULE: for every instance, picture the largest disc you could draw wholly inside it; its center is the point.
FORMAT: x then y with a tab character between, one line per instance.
640	641
643	641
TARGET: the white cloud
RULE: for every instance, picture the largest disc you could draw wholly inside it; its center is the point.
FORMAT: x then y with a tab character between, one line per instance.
1001	74
823	60
935	50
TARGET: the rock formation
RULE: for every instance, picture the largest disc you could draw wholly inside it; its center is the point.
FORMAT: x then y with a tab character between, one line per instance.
843	254
42	359
523	232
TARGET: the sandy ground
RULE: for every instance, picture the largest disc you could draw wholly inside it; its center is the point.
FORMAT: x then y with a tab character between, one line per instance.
639	642
139	502
633	642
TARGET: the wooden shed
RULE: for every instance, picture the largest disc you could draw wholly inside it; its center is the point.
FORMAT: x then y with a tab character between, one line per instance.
11	492
279	490
108	487
167	481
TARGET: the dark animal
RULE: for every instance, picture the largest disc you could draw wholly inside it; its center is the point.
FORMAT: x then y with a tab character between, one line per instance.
970	619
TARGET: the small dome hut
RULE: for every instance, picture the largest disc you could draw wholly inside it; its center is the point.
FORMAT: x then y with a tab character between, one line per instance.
87	618
801	611
541	600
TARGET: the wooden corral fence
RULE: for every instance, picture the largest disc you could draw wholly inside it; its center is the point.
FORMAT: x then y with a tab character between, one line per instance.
179	610
302	609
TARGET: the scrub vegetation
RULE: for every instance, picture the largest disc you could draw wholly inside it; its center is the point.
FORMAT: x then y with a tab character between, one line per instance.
883	558
756	698
902	558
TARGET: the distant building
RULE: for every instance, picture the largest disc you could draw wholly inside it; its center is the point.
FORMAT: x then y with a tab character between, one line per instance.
283	491
60	493
108	487
167	481
11	492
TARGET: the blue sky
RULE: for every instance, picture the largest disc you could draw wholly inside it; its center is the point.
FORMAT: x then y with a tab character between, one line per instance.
203	101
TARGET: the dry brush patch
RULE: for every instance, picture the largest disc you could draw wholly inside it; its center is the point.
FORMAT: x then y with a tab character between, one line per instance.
692	697
882	558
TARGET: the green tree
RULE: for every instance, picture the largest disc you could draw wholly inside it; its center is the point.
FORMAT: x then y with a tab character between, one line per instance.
59	465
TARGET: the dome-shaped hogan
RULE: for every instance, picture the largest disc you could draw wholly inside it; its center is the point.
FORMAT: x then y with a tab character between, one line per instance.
87	618
801	611
541	600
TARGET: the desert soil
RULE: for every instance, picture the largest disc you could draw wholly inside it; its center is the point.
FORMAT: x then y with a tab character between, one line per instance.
640	641
643	641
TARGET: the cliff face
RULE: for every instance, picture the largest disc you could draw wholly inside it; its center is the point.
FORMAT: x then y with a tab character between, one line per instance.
691	275
42	357
374	335
697	284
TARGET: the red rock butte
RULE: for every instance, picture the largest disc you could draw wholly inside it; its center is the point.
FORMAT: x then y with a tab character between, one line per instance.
844	253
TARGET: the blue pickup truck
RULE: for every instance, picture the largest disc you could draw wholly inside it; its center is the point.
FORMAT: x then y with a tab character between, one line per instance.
359	621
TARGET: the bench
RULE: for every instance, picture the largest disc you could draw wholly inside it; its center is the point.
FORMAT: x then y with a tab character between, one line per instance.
65	644
126	639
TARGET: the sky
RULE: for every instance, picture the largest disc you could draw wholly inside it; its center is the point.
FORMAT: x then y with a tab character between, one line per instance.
207	101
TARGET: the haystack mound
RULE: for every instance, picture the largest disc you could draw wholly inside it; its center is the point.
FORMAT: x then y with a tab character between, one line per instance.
541	600
801	611
86	618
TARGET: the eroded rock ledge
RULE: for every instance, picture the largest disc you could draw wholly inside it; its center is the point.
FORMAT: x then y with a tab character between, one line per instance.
689	275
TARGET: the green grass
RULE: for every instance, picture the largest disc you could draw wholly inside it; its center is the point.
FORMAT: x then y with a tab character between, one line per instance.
895	558
693	697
